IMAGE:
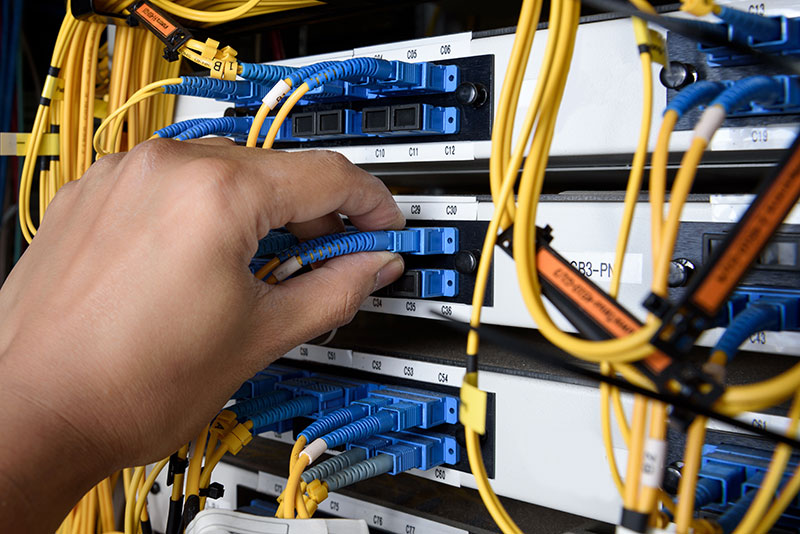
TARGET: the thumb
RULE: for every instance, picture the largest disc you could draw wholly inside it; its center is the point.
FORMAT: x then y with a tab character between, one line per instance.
330	295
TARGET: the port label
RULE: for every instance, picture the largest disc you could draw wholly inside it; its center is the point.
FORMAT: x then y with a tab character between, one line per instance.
458	151
459	45
387	519
454	211
599	266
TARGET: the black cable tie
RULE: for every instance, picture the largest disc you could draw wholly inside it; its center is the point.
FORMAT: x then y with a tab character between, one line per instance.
633	520
44	101
505	240
644	48
214	491
177	465
657	305
53	71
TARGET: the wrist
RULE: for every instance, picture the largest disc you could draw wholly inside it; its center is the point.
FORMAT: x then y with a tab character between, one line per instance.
46	462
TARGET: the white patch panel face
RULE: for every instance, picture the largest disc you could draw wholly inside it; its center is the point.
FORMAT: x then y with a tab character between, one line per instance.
585	233
599	114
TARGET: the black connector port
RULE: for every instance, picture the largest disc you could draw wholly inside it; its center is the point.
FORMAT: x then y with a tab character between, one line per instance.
304	125
374	120
330	122
406	117
407	286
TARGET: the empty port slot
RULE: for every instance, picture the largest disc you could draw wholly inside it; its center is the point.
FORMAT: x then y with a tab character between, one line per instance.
406	117
375	120
782	253
329	122
303	125
407	286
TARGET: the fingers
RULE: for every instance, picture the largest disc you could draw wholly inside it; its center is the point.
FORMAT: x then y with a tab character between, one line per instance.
327	224
330	295
212	141
280	188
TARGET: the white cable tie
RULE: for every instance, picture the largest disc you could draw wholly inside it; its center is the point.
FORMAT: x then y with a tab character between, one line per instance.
276	94
314	450
655	452
710	121
287	268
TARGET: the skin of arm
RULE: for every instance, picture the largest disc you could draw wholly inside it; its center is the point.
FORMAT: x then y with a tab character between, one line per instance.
133	316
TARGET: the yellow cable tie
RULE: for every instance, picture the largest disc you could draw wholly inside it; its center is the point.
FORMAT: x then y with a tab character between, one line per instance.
210	48
100	108
223	70
50	84
658	48
227	54
58	93
472	412
15	144
698	8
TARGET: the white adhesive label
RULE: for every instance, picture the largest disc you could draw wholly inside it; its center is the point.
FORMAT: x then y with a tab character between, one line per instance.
380	517
433	49
454	211
431	373
320	354
276	94
599	266
421	151
655	451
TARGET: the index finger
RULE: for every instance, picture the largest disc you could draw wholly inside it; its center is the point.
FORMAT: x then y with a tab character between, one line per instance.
274	188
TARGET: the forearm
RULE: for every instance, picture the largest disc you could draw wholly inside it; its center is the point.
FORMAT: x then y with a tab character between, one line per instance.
46	464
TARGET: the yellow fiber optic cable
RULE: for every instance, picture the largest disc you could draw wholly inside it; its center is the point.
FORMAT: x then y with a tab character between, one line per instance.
635	452
115	119
39	125
769	485
283	113
193	473
658	177
206	16
691	466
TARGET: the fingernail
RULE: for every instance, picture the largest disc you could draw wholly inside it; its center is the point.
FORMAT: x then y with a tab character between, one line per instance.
389	272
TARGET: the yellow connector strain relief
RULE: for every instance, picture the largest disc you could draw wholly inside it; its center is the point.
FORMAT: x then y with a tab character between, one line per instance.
699	8
223	423
317	490
311	506
237	438
472	412
279	499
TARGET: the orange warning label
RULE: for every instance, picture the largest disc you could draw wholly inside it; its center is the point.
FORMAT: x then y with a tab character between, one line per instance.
592	301
770	211
155	20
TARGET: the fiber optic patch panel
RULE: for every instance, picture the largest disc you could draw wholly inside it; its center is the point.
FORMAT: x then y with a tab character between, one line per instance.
603	89
584	230
544	426
731	475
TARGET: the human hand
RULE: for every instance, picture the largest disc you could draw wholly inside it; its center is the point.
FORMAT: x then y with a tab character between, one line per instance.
133	315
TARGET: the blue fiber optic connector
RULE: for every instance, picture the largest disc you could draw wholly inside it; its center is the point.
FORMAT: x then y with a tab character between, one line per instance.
771	35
